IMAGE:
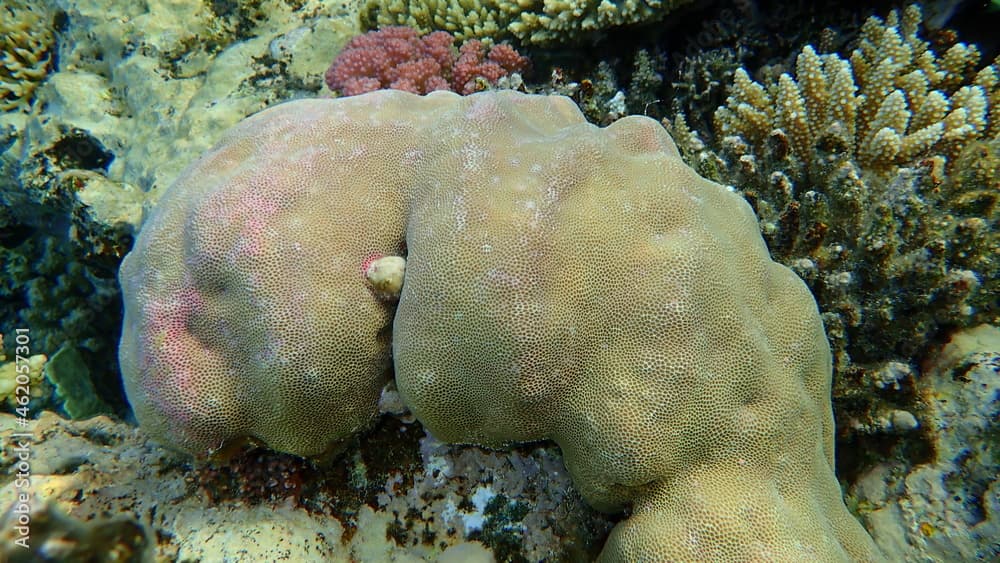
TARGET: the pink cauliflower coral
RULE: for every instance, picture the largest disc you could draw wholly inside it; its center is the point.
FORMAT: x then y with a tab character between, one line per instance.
398	58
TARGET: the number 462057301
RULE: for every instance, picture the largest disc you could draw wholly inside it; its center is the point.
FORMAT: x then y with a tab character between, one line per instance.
22	351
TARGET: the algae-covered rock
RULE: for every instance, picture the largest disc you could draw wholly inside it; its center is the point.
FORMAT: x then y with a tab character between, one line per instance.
71	376
158	81
56	536
947	507
412	501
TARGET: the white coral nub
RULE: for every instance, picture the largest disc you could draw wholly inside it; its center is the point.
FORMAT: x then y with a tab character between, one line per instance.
386	276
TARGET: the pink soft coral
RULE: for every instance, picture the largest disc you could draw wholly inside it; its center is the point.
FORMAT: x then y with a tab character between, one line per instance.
399	58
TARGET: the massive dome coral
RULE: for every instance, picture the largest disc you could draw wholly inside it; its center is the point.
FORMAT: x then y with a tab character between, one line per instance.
562	282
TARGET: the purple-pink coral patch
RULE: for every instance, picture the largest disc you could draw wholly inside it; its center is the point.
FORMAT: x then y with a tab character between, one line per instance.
399	58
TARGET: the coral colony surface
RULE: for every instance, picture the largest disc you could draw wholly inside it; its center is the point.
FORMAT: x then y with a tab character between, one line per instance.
478	280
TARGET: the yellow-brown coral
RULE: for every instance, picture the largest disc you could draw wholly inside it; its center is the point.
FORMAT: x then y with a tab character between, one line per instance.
32	378
892	101
26	41
551	22
874	177
563	282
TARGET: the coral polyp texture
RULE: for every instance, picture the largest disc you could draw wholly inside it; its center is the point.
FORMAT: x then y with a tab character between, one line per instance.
562	281
397	57
247	312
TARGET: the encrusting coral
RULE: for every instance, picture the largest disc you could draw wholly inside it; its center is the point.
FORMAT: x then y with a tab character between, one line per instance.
875	179
562	281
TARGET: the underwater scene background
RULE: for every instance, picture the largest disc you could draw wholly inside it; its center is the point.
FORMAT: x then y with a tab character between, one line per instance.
862	136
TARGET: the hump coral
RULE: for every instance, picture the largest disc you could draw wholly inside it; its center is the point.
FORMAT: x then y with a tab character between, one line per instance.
562	281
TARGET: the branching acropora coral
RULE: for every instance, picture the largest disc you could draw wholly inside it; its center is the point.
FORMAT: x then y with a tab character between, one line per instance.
539	23
875	178
26	43
892	101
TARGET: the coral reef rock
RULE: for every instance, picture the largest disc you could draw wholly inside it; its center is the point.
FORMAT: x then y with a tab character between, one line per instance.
947	509
101	491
